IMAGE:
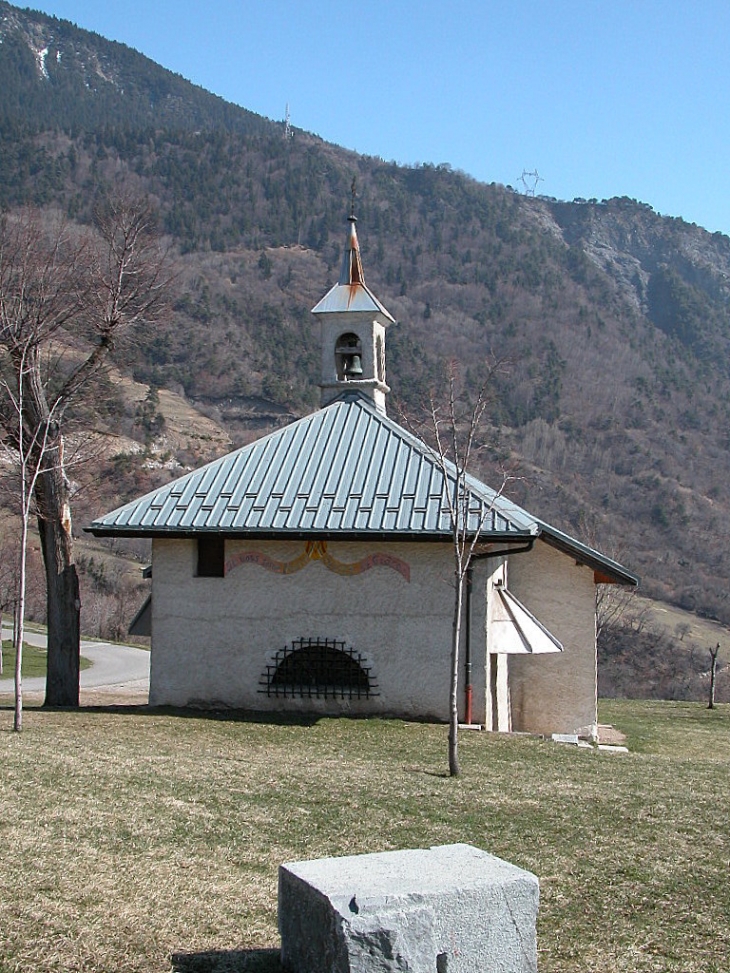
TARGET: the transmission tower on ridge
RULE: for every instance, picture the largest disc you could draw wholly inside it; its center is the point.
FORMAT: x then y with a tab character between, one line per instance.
287	125
530	180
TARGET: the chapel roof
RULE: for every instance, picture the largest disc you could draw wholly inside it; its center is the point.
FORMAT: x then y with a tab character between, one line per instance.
345	472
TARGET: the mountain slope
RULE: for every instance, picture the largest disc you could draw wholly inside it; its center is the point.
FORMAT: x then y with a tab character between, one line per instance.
57	75
615	319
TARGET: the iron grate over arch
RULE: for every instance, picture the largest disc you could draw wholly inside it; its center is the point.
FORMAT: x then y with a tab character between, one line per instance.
316	668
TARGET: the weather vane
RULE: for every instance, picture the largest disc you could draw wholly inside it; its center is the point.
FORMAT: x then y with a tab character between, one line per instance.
353	190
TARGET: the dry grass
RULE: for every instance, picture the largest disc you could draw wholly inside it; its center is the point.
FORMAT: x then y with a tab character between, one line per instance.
136	840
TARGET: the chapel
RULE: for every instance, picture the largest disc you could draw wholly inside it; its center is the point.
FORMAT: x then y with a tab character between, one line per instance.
312	570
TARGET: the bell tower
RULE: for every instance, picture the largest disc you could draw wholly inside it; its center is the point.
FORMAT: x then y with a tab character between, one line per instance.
353	323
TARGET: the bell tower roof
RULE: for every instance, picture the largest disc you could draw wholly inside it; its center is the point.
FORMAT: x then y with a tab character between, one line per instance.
350	293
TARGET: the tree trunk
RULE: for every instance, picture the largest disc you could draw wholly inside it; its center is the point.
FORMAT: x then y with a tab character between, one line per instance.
713	674
454	768
18	712
19	631
63	605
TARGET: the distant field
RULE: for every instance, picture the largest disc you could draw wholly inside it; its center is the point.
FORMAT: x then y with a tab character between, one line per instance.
704	632
128	837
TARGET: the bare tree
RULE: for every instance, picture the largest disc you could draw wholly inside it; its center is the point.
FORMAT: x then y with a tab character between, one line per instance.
713	674
30	446
618	607
66	298
455	426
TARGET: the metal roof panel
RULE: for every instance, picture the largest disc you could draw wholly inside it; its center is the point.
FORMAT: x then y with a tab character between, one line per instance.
344	469
351	297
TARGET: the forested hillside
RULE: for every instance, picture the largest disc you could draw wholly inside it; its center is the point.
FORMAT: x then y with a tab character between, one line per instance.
615	319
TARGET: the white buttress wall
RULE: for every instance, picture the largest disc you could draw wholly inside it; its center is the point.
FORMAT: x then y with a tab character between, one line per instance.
555	693
497	715
212	638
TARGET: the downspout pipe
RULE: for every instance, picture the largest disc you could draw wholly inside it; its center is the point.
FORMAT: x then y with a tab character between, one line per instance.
468	688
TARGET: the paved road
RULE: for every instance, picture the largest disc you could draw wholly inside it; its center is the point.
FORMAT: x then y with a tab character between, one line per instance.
112	666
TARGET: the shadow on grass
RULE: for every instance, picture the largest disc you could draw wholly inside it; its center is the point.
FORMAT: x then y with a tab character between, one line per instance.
37	706
222	714
228	961
229	714
191	713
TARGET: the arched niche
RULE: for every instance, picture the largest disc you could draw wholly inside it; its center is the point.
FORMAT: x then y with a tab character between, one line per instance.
348	357
318	668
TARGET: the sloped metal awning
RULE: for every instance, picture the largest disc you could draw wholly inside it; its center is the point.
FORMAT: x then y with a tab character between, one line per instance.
515	630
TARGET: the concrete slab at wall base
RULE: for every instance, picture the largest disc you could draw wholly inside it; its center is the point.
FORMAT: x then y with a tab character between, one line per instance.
448	909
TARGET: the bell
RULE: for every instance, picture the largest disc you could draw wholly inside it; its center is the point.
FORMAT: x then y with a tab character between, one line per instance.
353	368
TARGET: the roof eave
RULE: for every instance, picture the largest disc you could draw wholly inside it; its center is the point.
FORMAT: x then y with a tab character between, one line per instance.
611	571
173	533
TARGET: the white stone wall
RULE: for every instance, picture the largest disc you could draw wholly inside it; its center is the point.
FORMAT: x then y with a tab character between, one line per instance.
497	714
555	693
213	637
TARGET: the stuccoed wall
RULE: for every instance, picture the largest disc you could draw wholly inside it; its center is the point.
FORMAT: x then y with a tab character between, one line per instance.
213	637
555	693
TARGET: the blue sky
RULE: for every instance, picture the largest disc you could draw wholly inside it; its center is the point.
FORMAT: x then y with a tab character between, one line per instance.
602	97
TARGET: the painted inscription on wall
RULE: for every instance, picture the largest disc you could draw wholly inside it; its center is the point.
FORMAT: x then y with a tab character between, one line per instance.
317	551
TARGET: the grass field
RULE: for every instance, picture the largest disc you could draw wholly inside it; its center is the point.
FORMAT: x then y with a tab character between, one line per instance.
138	840
34	660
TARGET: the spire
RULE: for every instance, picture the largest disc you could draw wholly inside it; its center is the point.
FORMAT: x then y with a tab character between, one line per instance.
351	293
351	272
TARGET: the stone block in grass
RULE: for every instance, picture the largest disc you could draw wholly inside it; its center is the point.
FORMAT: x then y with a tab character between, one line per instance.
448	909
